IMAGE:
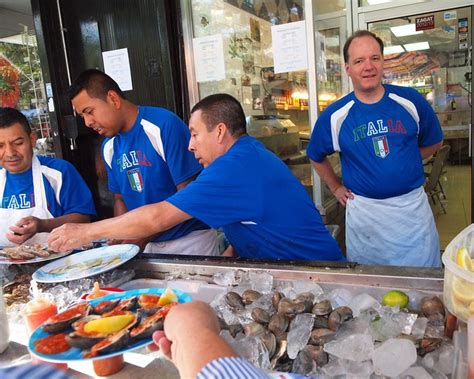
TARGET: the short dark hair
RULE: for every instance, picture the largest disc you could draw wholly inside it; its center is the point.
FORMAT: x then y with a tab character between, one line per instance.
10	116
224	108
96	83
358	34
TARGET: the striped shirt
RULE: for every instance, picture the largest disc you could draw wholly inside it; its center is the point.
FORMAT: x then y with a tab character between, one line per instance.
230	368
32	371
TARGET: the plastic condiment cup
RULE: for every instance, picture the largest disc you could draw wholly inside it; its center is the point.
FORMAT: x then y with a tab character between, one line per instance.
35	313
108	366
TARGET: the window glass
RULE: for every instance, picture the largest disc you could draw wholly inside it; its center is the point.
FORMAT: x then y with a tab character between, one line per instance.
275	104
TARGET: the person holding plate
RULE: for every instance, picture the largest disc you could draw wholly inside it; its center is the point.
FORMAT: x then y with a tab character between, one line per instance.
38	193
247	190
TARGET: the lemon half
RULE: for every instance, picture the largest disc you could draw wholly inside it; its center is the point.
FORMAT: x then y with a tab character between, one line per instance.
168	297
108	325
463	259
463	291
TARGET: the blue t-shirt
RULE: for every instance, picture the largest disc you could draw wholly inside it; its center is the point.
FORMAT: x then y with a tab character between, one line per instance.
146	163
263	209
378	143
66	191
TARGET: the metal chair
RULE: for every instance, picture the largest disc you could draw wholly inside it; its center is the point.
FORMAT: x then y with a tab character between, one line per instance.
433	186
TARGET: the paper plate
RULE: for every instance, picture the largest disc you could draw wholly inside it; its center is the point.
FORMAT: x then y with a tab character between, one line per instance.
85	263
4	260
75	354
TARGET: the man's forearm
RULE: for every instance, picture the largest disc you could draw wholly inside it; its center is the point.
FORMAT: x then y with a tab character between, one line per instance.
428	151
138	223
47	225
327	174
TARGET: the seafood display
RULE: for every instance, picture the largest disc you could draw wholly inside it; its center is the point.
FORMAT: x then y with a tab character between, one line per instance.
102	326
313	333
27	254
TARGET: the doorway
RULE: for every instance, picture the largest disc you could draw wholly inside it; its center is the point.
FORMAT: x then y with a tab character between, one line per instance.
431	52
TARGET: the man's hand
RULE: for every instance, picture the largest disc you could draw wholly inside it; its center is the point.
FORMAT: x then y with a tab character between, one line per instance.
24	229
69	236
343	194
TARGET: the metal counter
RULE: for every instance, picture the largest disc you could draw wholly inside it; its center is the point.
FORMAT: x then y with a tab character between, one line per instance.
328	273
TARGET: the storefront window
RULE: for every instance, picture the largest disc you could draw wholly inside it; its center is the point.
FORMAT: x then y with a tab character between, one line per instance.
323	7
364	3
275	103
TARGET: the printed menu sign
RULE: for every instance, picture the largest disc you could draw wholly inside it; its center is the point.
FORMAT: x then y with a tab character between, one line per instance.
424	23
209	58
289	47
117	66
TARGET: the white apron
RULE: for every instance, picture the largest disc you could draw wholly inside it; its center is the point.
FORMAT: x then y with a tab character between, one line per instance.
9	217
199	242
397	231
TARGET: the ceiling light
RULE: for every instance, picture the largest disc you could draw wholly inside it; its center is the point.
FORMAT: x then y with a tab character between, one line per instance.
417	46
393	49
405	30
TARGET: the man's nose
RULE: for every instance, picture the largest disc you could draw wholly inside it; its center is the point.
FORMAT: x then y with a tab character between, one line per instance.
368	64
190	145
88	120
9	149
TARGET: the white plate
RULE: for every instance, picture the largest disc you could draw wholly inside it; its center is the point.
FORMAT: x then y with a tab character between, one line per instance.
4	260
85	263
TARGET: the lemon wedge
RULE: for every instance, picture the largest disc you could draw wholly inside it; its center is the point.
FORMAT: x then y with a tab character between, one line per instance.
463	291
463	259
168	297
108	325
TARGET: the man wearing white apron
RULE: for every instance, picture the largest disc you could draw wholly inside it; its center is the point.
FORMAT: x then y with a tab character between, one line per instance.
38	193
146	157
382	134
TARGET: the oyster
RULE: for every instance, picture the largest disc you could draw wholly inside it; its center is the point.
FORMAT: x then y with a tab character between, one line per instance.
278	323
322	308
105	306
260	315
110	344
249	296
148	303
64	320
234	300
151	324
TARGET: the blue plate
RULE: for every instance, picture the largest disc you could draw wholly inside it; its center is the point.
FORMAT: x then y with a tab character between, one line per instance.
75	354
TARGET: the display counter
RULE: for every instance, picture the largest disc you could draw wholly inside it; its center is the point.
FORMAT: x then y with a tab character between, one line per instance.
198	277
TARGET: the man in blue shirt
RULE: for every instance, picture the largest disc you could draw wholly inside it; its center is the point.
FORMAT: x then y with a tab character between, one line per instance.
146	157
38	193
263	209
382	133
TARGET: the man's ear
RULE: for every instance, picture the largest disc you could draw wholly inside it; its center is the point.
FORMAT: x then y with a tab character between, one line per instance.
33	138
114	99
222	131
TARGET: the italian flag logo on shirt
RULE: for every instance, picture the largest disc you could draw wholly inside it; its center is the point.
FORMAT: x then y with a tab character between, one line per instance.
135	179
381	146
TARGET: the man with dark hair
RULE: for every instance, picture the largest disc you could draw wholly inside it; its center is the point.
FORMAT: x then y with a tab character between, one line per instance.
263	209
146	157
38	193
382	134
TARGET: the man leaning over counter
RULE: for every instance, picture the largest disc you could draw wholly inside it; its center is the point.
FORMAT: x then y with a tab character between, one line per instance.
38	193
263	209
